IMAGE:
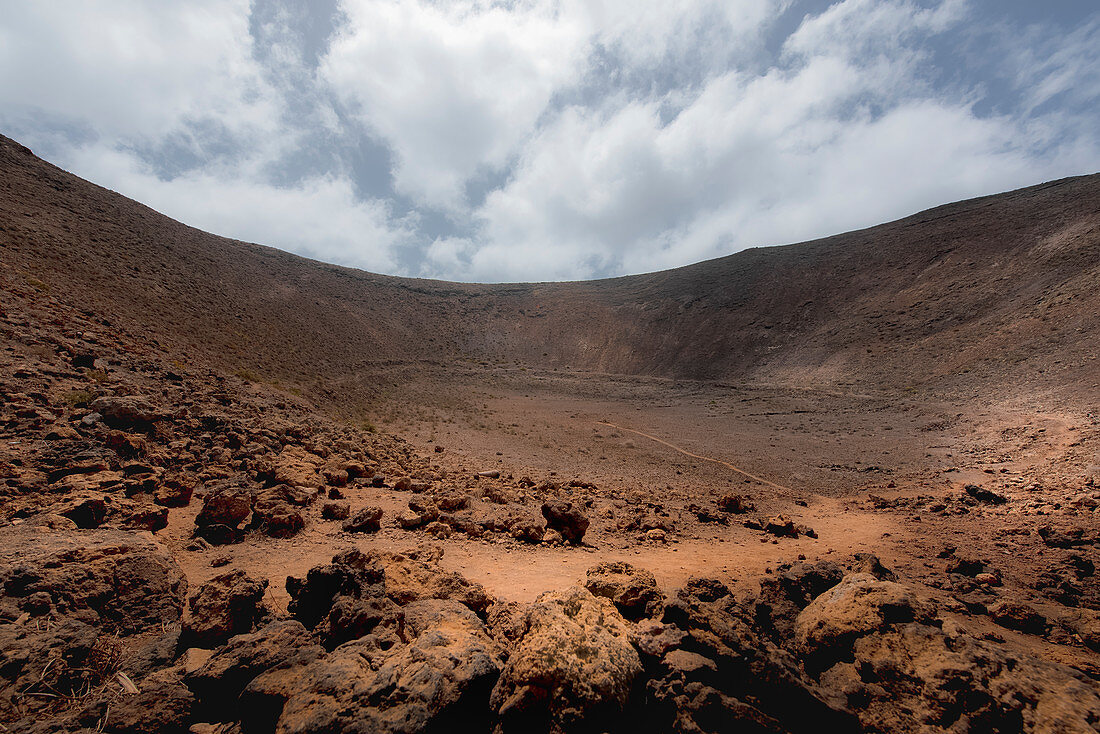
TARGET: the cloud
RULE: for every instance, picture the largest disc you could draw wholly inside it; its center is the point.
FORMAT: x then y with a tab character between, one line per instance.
548	139
320	217
456	88
846	134
452	87
132	68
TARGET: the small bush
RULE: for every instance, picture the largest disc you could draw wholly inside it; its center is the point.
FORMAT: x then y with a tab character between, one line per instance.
38	285
79	398
247	375
96	375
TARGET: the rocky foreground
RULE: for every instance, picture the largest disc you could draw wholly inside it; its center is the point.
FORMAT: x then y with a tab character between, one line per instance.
391	642
106	434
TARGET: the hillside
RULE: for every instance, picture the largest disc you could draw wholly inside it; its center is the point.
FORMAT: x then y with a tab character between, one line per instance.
245	491
999	290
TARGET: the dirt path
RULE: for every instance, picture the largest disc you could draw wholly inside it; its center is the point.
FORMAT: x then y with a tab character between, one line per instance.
685	452
520	573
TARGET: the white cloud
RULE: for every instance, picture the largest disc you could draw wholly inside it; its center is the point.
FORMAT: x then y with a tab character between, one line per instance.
865	27
838	140
131	68
545	139
456	88
319	217
184	76
452	87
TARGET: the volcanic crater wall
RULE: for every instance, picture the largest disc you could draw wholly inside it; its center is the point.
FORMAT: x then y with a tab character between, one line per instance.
1005	287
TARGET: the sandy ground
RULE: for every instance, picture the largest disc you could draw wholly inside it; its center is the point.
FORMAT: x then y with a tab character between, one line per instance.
815	456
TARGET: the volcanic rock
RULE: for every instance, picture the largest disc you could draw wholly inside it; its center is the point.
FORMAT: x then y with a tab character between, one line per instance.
366	520
632	590
335	510
567	518
226	605
437	681
573	669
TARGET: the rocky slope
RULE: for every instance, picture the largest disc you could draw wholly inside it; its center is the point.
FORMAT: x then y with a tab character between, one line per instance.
977	294
137	450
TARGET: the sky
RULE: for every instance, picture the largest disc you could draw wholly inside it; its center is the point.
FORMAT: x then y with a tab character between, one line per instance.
537	140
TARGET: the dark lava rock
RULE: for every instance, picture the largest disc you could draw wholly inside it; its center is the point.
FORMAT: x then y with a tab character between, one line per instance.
227	504
366	520
782	526
335	510
162	704
1018	616
147	518
438	680
987	496
567	518
174	491
226	605
275	510
126	412
573	670
633	591
737	504
1069	537
966	566
220	680
88	511
342	599
126	583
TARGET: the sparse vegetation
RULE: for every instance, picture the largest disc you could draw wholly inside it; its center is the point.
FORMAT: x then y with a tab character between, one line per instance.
79	398
97	375
38	285
247	375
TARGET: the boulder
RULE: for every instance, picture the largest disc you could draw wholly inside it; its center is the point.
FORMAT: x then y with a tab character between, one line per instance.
335	510
859	605
43	662
220	680
703	589
438	529
1069	537
147	518
527	529
1019	616
174	491
366	520
335	477
226	605
632	590
126	411
949	680
567	518
438	681
987	496
125	582
297	467
737	504
416	575
162	704
410	520
573	669
227	504
757	686
86	511
452	501
275	510
784	594
782	526
351	573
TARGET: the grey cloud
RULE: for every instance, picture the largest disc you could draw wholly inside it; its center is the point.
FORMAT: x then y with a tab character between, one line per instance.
553	139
